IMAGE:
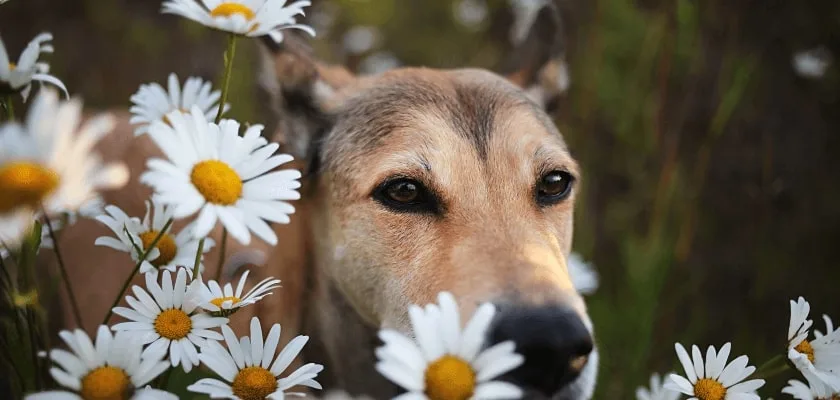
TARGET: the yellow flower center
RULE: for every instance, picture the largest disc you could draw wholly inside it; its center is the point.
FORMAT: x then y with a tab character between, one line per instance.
25	184
450	378
217	182
230	9
166	245
219	300
106	383
806	349
173	324
12	66
254	383
709	389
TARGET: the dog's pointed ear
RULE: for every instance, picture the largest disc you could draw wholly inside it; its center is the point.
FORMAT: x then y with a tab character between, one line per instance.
295	89
536	60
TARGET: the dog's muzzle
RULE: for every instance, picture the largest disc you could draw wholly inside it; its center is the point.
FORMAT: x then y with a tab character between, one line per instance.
554	341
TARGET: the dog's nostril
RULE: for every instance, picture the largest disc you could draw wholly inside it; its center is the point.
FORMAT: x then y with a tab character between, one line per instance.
554	341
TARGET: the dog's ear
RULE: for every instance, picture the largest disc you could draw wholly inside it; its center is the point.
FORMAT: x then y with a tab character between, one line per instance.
294	90
535	60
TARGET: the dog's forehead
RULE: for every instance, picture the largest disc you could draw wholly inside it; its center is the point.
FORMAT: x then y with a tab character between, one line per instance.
470	102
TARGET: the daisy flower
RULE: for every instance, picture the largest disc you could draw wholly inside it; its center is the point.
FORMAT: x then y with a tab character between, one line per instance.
714	379
817	359
656	391
226	302
172	251
48	164
152	102
816	391
445	362
18	77
249	368
167	319
242	17
223	176
109	369
584	277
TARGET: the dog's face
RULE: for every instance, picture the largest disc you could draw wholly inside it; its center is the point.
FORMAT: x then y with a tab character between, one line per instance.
446	180
454	181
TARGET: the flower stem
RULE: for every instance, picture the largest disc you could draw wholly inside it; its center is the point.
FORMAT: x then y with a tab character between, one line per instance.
10	108
197	264
222	249
143	256
64	275
229	54
772	367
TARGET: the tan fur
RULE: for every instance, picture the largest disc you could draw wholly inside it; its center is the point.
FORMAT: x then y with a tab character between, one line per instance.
348	265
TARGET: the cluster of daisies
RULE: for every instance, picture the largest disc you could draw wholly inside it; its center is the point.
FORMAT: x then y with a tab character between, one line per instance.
212	172
814	354
215	172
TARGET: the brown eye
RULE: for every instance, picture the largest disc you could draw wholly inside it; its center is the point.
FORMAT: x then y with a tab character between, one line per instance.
406	195
403	191
554	187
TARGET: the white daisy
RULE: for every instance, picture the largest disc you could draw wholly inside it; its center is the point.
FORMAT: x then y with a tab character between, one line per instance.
225	176
446	362
18	77
152	102
172	251
817	359
242	17
829	327
714	379
48	163
818	391
656	391
114	367
584	277
168	319
226	302
247	368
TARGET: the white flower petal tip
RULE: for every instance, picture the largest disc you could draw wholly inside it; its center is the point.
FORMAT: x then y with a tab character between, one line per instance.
445	357
243	17
165	317
135	236
250	365
108	366
225	301
17	77
153	103
657	390
55	151
224	177
713	377
584	277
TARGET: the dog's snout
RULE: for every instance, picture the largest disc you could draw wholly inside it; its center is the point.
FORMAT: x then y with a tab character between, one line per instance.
554	341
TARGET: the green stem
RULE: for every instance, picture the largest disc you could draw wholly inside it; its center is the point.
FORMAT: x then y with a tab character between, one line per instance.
222	249
772	367
64	275
229	54
163	382
143	256
197	264
10	108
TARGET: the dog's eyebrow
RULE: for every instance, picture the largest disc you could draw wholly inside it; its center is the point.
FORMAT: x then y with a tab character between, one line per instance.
550	158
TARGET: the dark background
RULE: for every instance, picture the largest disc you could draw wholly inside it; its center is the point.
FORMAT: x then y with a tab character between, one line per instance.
711	189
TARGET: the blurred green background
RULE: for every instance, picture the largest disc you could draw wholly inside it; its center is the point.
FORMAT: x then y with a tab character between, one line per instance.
707	132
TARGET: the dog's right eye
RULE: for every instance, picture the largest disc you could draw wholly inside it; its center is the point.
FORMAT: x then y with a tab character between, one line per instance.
406	195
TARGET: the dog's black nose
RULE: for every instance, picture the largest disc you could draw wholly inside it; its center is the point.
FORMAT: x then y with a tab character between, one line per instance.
553	340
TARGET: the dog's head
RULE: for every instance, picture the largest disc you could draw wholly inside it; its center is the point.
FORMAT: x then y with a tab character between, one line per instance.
431	180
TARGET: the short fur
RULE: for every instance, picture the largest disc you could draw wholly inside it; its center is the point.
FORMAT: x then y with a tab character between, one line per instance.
349	265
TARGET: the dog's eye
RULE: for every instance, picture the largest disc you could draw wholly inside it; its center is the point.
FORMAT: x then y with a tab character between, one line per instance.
554	187
405	195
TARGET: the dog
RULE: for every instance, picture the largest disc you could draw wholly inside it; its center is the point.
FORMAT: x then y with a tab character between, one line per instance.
416	181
